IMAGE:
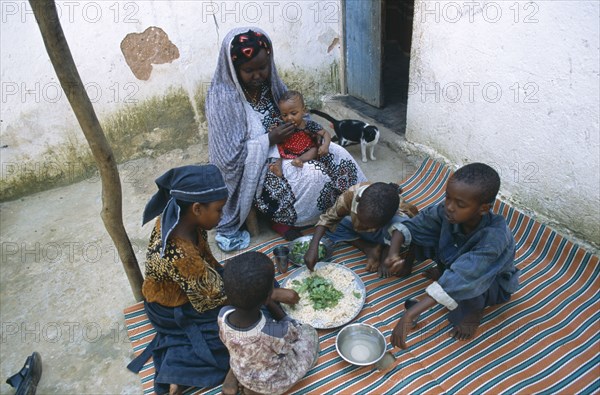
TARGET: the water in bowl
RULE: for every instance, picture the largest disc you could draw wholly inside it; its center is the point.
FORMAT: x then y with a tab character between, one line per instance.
361	348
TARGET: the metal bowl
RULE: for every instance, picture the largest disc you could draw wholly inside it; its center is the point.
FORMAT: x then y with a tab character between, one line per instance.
360	344
298	260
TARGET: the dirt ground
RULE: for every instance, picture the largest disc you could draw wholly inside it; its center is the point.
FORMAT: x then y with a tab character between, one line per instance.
62	285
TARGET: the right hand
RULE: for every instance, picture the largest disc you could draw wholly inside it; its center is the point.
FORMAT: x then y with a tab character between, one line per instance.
311	256
400	332
279	133
393	265
285	295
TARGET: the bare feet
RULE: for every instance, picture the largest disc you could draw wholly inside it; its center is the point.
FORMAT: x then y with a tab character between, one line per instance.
276	169
373	257
433	273
175	389
230	385
297	162
467	328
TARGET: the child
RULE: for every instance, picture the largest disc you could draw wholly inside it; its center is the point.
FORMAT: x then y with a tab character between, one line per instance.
183	288
473	247
365	216
308	142
267	356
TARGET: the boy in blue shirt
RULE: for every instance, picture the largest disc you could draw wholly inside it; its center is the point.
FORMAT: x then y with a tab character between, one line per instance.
474	250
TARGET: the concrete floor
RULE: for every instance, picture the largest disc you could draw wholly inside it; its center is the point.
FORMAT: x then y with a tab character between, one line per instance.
63	288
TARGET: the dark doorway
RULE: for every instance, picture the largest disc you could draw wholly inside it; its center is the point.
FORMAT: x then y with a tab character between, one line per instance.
396	34
396	61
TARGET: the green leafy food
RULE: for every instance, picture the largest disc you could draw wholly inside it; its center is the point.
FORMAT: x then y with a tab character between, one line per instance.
300	249
320	291
357	295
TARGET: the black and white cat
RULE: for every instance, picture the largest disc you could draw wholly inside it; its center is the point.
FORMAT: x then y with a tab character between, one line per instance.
354	131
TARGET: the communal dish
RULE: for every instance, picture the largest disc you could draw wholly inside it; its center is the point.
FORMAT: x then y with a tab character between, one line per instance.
330	297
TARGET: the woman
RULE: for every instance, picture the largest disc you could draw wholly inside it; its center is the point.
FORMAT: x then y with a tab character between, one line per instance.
243	133
183	287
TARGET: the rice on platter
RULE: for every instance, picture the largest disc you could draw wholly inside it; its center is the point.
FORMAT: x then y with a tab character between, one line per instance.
329	297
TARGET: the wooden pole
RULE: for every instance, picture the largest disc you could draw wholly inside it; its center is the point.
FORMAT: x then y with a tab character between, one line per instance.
112	211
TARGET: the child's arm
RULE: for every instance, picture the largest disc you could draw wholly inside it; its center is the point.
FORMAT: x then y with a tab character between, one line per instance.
312	254
329	220
393	262
326	140
423	229
408	321
308	155
276	311
281	295
285	295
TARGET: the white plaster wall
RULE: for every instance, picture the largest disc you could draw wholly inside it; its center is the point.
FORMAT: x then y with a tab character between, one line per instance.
35	112
514	85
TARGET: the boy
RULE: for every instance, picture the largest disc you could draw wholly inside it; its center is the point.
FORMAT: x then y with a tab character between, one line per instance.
474	250
309	140
365	216
266	356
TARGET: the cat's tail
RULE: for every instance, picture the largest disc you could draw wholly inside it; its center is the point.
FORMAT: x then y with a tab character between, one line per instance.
326	116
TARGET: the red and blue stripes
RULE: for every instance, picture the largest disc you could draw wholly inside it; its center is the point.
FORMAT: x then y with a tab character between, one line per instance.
546	339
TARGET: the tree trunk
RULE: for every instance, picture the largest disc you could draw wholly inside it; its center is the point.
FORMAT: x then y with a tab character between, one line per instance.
62	60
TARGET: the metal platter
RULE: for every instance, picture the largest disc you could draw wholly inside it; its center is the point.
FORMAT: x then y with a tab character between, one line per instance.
322	322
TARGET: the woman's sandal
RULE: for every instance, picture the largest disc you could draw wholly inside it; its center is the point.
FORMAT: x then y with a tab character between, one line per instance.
27	379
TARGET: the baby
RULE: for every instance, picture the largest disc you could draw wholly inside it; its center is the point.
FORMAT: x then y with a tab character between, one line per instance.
267	355
309	140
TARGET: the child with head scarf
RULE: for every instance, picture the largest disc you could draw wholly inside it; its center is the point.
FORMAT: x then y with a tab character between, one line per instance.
183	287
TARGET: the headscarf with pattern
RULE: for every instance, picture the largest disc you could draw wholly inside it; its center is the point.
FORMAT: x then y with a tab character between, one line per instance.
245	46
236	134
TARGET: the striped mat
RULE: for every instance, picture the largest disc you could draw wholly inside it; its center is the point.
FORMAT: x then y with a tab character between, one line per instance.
545	340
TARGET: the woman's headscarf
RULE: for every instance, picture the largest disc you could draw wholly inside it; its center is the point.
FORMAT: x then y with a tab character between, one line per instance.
230	134
194	183
245	46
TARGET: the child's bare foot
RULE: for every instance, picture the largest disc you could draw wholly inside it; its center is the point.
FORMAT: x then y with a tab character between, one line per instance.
175	389
230	385
467	329
433	273
297	162
373	257
276	169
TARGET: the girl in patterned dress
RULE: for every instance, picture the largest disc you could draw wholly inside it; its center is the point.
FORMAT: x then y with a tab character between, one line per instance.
183	287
